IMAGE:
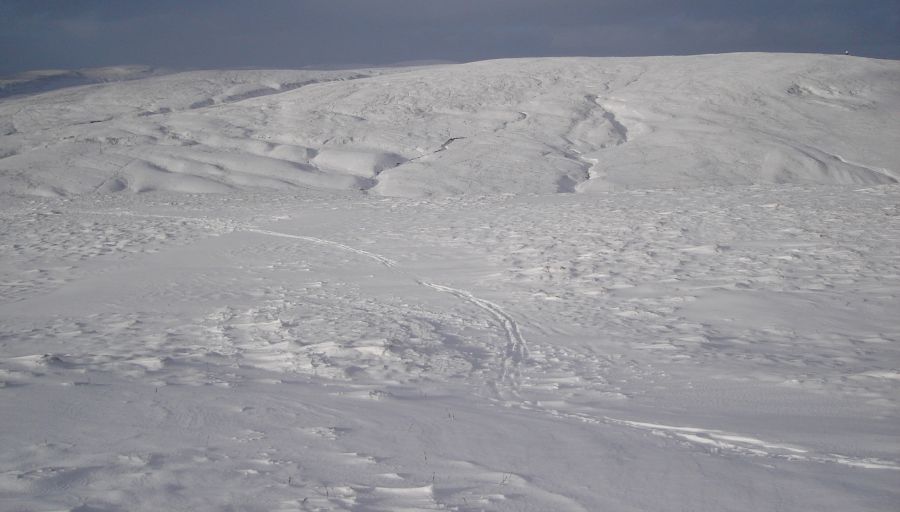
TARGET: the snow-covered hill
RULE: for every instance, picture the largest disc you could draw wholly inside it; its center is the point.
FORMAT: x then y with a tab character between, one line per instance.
33	82
512	126
525	285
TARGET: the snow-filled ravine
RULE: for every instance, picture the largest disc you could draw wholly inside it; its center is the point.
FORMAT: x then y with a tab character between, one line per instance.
643	284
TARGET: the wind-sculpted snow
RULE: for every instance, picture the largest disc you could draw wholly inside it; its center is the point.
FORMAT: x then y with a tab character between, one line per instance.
510	126
636	350
617	284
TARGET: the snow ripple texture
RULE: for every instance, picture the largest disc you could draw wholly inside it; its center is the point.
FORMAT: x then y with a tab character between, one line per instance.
545	284
511	126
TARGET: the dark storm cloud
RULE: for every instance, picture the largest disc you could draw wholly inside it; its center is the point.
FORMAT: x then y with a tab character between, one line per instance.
283	33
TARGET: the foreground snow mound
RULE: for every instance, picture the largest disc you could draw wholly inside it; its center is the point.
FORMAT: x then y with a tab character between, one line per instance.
714	349
509	126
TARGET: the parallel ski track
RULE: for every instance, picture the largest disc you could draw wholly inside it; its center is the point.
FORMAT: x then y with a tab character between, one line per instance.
516	354
516	351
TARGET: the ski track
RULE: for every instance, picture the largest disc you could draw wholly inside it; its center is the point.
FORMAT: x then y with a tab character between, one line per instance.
516	353
387	262
745	445
720	442
516	350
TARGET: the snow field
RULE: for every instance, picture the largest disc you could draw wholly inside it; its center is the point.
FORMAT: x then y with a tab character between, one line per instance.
551	284
516	126
381	368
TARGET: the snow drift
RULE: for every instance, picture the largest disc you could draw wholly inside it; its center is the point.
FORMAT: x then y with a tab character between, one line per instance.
508	126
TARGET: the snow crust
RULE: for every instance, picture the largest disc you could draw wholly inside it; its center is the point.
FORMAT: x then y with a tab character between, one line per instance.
514	126
546	284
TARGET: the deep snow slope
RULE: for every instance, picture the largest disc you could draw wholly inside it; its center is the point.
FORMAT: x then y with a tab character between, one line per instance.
534	285
544	125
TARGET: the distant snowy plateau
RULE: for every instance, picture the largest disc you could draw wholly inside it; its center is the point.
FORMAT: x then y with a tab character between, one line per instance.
580	284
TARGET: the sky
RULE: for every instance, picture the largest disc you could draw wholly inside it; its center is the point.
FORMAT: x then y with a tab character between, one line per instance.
197	34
